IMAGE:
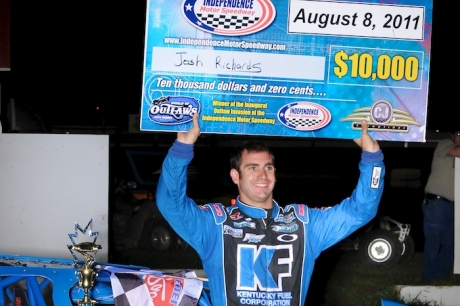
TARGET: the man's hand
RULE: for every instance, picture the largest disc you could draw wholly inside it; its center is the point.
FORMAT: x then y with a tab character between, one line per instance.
192	134
365	141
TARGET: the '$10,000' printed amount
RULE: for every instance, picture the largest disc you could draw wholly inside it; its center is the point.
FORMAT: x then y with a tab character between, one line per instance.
361	65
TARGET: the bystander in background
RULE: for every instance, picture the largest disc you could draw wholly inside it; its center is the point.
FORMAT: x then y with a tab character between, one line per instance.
438	211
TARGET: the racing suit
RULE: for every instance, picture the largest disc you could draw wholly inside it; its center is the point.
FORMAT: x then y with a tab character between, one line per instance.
254	259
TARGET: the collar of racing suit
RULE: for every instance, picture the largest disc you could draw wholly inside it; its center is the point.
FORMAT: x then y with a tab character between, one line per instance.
257	212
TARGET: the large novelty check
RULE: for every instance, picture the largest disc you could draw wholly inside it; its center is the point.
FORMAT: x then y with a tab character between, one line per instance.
295	68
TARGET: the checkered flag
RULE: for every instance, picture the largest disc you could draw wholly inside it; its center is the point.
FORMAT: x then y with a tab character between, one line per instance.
154	288
227	22
129	289
303	122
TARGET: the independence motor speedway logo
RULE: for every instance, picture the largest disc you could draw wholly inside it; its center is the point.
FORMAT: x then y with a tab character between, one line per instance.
173	110
229	17
304	116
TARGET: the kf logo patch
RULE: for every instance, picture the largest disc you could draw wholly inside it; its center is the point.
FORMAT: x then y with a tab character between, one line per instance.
254	262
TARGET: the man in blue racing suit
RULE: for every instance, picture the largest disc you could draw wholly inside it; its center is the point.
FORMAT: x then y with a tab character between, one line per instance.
256	252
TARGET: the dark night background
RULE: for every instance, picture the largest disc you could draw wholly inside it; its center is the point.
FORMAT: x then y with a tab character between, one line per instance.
68	58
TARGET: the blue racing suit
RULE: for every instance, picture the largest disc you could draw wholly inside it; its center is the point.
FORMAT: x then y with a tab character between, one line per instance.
254	259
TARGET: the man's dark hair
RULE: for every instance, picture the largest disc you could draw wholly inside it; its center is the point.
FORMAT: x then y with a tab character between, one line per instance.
252	146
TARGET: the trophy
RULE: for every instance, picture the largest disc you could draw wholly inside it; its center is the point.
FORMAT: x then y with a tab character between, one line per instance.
87	274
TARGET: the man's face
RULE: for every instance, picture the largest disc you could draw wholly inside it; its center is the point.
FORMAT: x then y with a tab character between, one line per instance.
456	138
256	180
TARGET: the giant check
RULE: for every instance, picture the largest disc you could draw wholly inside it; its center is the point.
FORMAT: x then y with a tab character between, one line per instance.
295	68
